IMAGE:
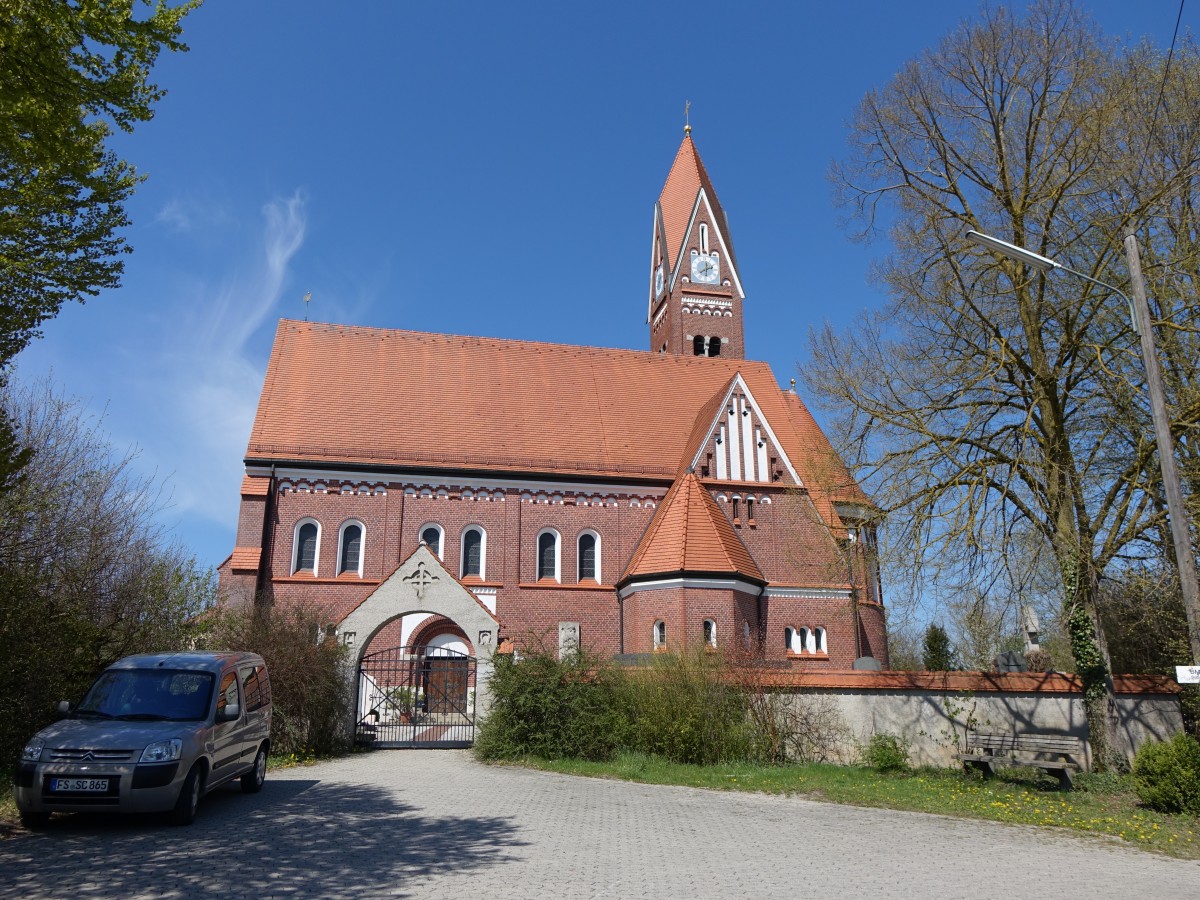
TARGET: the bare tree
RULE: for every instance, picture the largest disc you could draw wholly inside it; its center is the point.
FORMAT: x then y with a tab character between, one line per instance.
87	574
978	406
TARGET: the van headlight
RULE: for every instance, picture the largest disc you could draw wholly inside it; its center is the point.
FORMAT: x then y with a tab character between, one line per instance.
33	750
163	751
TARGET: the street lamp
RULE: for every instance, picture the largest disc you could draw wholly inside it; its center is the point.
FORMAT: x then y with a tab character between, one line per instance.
1046	264
1139	313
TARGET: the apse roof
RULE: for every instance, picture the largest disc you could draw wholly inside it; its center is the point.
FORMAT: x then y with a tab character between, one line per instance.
690	535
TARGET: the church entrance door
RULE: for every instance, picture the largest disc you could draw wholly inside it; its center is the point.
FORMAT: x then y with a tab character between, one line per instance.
416	696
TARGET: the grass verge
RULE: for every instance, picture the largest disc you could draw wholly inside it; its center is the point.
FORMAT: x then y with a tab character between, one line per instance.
1100	805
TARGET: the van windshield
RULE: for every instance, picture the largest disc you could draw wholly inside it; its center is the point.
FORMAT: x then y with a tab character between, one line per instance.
148	694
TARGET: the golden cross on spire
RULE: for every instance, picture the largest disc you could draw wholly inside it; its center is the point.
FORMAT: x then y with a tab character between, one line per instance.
687	125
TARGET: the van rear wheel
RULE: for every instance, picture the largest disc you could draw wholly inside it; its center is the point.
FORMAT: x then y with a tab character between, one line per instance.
184	812
252	781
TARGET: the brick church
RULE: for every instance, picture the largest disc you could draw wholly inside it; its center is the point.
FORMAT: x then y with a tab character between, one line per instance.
636	500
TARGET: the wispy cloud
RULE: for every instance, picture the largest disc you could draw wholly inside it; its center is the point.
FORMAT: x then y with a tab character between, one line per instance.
243	302
211	371
174	361
174	216
192	213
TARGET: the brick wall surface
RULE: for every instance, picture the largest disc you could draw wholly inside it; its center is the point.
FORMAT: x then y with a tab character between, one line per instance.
788	541
250	522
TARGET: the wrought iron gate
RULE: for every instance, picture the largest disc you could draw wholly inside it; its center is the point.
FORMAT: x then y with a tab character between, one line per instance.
416	697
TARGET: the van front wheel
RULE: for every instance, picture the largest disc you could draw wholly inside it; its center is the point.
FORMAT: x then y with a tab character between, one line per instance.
184	812
252	781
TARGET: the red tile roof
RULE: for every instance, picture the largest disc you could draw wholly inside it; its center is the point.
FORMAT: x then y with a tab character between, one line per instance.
245	559
255	486
825	475
678	198
690	535
368	396
703	424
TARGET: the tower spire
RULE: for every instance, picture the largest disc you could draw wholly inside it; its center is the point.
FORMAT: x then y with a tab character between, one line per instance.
696	295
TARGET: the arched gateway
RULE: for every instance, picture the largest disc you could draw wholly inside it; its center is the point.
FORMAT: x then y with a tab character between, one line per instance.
422	694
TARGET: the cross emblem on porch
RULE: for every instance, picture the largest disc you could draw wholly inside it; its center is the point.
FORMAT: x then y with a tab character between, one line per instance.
421	579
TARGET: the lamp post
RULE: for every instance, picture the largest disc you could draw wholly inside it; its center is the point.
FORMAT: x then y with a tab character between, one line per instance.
1139	312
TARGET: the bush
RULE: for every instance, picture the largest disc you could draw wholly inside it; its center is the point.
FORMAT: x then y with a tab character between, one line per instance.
311	697
887	753
86	574
685	708
785	727
1166	775
556	709
694	707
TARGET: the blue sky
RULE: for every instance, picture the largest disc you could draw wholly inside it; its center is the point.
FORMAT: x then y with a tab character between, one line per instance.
472	168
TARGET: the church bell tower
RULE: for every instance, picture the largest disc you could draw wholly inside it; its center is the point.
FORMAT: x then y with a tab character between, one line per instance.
695	290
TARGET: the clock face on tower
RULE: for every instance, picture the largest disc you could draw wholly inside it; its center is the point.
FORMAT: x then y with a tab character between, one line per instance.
704	269
658	281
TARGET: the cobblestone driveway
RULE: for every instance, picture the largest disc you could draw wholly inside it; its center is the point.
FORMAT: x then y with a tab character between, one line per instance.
437	824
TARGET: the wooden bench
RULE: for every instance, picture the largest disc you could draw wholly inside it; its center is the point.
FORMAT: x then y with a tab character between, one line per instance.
1055	754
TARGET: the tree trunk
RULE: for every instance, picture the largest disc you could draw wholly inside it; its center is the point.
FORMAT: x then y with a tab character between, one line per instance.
1090	651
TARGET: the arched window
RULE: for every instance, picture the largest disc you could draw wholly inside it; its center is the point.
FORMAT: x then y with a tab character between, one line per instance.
589	556
431	536
714	346
698	345
803	641
660	634
547	555
789	640
819	641
350	545
306	547
703	238
472	552
710	632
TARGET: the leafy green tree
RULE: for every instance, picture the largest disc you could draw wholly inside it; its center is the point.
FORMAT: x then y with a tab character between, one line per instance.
70	72
936	653
981	405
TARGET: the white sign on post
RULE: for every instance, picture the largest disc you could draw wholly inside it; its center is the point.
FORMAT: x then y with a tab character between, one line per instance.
1187	674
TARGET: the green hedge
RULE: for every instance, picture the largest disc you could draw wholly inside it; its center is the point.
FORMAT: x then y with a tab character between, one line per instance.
556	709
1166	775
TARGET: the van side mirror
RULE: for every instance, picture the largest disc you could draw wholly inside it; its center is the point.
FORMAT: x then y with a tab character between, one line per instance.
64	707
230	713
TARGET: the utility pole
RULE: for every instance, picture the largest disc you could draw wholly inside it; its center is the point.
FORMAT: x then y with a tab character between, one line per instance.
1176	511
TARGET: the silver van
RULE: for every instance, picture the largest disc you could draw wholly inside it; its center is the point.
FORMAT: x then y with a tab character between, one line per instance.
154	733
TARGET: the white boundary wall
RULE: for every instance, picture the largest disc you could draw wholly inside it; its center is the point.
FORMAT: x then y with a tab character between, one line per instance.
934	722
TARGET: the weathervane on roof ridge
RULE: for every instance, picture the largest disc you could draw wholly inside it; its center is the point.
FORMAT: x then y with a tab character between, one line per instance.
307	297
687	125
